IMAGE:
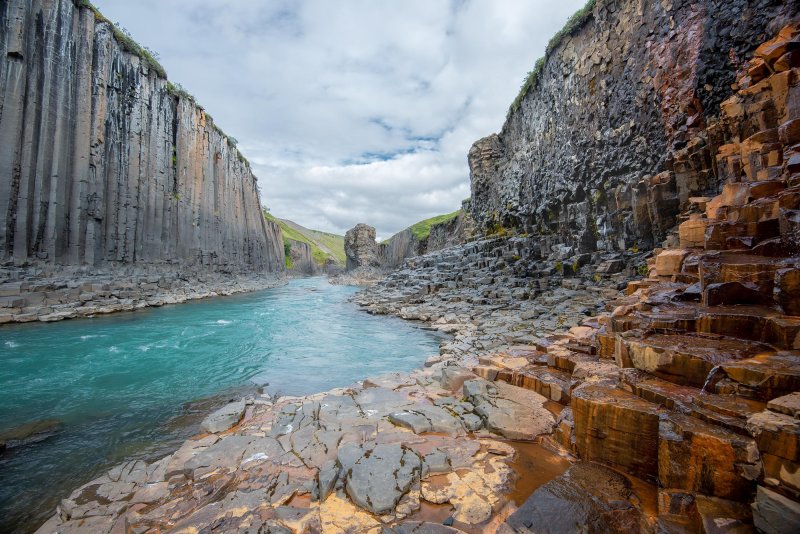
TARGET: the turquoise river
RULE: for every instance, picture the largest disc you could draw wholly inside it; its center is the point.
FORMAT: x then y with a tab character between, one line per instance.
135	385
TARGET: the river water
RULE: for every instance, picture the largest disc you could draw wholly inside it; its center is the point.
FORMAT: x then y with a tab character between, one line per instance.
135	385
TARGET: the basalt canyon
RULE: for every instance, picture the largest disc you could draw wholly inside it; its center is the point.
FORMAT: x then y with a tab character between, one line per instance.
616	307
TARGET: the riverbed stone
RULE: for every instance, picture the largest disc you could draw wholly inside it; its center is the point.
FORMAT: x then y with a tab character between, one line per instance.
589	496
510	411
377	476
225	417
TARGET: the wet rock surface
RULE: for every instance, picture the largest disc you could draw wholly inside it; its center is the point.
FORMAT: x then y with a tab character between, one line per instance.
588	498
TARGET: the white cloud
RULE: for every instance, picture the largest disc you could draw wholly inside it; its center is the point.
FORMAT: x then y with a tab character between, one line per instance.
356	110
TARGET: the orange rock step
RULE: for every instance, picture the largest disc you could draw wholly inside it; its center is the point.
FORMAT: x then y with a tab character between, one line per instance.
755	271
728	234
618	428
778	438
765	376
697	457
726	411
738	194
754	323
685	359
550	383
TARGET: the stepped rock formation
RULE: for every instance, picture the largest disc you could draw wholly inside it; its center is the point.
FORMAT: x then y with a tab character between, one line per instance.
691	380
601	152
104	163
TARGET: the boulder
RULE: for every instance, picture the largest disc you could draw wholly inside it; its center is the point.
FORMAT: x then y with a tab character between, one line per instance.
378	475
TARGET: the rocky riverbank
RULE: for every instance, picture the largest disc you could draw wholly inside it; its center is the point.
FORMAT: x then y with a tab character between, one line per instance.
53	294
401	453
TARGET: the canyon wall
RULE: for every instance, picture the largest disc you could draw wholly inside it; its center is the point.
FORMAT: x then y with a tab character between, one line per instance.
405	244
616	131
302	260
104	162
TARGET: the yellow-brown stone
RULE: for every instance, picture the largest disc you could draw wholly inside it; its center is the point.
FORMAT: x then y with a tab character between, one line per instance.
616	427
701	458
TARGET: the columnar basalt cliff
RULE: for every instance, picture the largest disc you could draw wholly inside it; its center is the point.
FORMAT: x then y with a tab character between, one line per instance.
105	163
300	260
615	104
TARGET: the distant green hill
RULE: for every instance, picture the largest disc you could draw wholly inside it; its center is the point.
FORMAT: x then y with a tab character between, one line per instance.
323	245
422	229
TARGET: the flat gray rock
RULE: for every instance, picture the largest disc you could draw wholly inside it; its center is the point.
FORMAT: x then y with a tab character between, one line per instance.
226	453
224	418
510	411
379	478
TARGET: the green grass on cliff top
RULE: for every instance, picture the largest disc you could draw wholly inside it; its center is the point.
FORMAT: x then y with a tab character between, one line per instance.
575	23
422	229
125	40
313	238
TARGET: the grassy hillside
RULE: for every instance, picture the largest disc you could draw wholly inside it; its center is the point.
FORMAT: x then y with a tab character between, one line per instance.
323	245
422	229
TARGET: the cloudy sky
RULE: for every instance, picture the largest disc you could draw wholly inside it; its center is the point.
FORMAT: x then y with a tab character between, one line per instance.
351	110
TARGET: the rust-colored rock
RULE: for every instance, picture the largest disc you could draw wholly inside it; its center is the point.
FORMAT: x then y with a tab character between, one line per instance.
701	458
787	290
615	427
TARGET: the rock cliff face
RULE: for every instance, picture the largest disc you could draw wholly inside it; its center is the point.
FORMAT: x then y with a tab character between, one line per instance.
302	262
104	163
405	244
597	154
361	249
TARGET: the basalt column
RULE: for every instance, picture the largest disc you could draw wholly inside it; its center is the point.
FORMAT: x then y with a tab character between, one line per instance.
103	162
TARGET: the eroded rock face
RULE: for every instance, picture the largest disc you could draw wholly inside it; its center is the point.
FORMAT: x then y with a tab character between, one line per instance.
405	244
102	164
361	249
599	154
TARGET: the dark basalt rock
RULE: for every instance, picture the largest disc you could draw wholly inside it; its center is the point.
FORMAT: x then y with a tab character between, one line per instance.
601	152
